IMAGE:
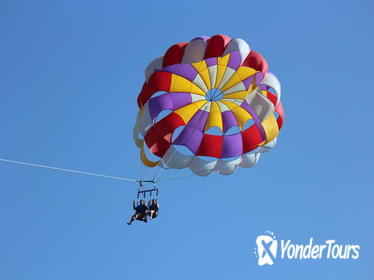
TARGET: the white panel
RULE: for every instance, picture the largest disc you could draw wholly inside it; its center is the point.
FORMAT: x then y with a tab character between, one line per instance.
156	64
236	101
250	96
226	167
249	159
206	107
237	87
238	45
194	51
197	97
228	73
261	105
213	75
268	146
175	159
200	83
272	81
202	167
222	107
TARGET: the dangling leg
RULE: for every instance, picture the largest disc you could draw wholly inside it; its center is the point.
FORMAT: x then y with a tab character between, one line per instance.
133	218
150	213
145	218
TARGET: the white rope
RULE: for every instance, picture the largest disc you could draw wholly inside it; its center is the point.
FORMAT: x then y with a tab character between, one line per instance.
67	170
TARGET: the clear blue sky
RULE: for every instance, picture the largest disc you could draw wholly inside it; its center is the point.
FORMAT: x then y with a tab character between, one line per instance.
70	73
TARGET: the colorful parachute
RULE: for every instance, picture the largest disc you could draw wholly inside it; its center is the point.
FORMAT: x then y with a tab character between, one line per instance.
208	105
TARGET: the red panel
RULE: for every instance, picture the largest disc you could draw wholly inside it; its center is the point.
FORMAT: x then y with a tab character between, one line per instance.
256	61
216	45
140	95
210	146
174	54
279	109
158	138
159	81
272	97
251	138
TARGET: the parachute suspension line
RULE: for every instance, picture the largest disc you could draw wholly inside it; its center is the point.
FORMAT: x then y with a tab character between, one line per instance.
173	174
67	170
141	170
162	169
153	171
170	178
147	176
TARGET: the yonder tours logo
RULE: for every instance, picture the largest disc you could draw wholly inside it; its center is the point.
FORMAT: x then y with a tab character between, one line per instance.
268	249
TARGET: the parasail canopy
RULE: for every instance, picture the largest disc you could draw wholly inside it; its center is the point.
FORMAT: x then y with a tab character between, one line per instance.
208	105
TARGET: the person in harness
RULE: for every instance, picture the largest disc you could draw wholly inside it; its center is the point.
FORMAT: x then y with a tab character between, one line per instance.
141	211
153	208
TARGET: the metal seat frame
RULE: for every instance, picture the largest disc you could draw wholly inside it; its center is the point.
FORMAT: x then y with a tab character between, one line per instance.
142	191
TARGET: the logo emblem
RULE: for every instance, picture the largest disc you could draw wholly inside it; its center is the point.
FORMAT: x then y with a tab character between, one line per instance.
266	248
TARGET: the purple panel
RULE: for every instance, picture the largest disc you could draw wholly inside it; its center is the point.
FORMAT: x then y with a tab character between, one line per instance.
168	101
160	103
170	68
228	120
198	121
180	99
190	137
259	78
200	38
232	145
264	87
211	61
185	70
247	82
257	121
234	61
